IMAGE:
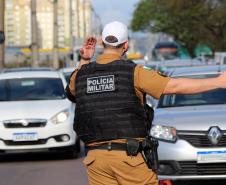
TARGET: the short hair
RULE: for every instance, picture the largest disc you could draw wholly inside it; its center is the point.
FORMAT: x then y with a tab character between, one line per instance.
112	47
112	39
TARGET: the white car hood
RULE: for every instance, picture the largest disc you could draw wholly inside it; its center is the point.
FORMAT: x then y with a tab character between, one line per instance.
192	117
44	109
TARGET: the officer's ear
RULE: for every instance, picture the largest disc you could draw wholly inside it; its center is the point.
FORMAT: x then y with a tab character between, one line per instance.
126	46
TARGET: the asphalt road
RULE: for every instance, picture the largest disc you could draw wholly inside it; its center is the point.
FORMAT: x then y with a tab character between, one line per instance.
41	169
53	169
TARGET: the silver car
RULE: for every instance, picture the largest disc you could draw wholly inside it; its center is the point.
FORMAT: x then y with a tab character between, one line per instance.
192	130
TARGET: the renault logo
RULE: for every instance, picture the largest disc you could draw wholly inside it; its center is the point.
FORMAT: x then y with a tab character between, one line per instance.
214	135
24	122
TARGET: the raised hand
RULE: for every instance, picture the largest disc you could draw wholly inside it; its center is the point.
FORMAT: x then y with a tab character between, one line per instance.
88	49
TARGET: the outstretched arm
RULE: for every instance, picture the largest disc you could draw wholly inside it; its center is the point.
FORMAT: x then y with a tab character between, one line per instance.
192	86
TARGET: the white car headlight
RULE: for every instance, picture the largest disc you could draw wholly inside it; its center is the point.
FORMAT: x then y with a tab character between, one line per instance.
164	133
60	117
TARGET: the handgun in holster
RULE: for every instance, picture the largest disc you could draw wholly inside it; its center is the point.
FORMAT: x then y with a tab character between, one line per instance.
149	152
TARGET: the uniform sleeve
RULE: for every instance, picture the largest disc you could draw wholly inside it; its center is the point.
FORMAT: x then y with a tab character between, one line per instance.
149	81
70	89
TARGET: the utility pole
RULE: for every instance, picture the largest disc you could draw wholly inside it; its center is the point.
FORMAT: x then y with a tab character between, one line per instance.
78	17
71	42
34	29
2	37
70	24
84	18
55	35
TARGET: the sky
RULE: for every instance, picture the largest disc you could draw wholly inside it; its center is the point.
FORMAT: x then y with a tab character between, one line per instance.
115	10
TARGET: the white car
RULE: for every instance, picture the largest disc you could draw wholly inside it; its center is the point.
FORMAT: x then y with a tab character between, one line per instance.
67	72
35	115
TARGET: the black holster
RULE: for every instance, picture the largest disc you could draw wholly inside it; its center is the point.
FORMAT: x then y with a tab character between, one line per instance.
132	147
149	152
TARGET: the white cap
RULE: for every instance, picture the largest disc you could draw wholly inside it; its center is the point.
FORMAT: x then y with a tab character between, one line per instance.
114	30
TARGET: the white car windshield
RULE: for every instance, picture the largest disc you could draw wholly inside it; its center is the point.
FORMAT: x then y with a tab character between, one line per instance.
217	96
67	76
31	89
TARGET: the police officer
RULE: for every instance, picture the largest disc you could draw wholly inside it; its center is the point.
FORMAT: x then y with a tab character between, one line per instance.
109	107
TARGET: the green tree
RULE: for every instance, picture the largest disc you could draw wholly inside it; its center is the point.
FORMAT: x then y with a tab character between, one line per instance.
190	22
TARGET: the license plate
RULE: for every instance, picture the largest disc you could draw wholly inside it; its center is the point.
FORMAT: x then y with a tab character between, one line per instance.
211	156
31	136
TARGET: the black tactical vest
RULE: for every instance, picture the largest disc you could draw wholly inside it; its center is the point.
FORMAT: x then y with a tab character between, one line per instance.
106	104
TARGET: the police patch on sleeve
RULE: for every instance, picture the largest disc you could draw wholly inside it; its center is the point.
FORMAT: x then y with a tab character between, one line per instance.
101	84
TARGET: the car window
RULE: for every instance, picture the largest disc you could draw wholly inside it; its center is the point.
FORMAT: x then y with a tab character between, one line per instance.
224	60
3	92
217	96
32	89
67	76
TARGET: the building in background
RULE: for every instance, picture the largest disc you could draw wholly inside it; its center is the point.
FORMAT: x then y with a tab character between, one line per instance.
17	23
45	23
84	22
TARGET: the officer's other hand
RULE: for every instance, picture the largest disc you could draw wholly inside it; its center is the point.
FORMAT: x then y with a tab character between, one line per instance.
88	49
222	79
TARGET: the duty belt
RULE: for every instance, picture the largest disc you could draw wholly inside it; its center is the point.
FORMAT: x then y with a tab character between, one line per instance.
108	146
132	146
147	148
